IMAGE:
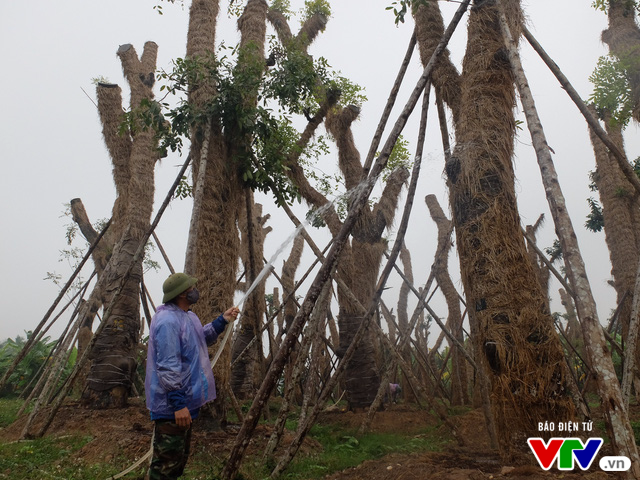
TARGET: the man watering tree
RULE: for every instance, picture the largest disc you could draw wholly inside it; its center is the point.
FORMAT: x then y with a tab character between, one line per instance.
179	379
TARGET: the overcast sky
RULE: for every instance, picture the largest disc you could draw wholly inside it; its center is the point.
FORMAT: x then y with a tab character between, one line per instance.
52	148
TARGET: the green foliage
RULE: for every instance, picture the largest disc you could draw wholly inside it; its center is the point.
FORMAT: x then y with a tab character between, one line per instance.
612	89
252	105
100	79
22	380
184	190
282	6
158	7
235	8
595	219
401	7
400	158
603	5
316	7
554	251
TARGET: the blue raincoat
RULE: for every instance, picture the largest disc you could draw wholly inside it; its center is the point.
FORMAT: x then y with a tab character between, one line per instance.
178	368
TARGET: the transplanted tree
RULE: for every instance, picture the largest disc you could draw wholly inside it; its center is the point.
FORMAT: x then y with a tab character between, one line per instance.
360	260
623	39
514	330
621	219
236	142
240	145
616	100
133	150
248	366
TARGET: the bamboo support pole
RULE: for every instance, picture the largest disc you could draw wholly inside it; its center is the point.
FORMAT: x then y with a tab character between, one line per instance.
190	255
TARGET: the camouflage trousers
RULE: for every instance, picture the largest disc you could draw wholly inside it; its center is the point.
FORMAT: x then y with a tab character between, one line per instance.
171	446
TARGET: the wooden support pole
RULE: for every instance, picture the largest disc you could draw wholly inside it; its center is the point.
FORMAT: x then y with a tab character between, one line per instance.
625	166
391	100
164	254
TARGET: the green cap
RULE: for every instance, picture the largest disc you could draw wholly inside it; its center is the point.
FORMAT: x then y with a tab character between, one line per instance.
175	285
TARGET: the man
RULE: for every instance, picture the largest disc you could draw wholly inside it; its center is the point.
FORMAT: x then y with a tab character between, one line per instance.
394	390
179	379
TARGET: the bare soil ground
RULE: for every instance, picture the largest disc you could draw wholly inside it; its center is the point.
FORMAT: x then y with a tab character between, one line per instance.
127	432
473	461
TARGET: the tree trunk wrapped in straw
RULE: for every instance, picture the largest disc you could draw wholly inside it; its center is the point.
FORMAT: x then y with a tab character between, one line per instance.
113	356
621	214
623	38
515	333
459	384
615	412
247	372
361	260
445	77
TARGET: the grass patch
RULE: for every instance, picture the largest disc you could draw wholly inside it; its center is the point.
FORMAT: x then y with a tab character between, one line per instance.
49	457
341	447
344	449
8	409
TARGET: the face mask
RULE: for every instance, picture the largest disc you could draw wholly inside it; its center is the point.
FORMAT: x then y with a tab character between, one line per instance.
193	296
